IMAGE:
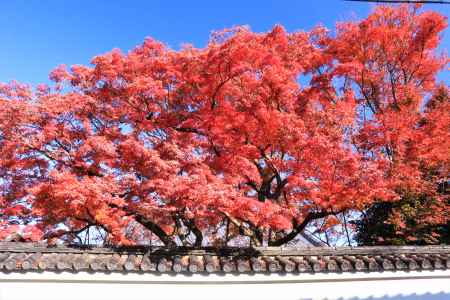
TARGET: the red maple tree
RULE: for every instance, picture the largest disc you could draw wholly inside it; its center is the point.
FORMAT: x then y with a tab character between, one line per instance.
183	144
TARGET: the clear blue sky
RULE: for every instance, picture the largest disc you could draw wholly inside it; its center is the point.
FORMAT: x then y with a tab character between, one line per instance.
38	35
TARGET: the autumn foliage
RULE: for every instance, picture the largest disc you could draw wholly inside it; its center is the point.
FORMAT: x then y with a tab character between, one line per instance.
255	136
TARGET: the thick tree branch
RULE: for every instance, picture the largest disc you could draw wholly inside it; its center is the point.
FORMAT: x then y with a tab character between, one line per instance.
300	227
153	227
156	229
254	234
190	223
60	233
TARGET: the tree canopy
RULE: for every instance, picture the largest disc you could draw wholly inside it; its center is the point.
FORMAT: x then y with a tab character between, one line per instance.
255	136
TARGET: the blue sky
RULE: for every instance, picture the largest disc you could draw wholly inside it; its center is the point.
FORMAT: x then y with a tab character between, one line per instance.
36	36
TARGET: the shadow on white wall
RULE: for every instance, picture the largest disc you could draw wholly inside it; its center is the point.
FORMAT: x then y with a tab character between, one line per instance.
427	296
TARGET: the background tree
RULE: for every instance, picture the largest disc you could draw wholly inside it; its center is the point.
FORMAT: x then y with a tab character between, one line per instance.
413	224
416	218
199	146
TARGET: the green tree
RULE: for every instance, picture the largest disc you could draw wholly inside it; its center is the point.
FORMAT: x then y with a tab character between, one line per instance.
410	221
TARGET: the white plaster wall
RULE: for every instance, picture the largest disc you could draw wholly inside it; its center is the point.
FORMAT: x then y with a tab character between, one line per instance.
387	285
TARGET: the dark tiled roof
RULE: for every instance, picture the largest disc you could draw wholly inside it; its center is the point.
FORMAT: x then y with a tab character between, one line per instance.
28	257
